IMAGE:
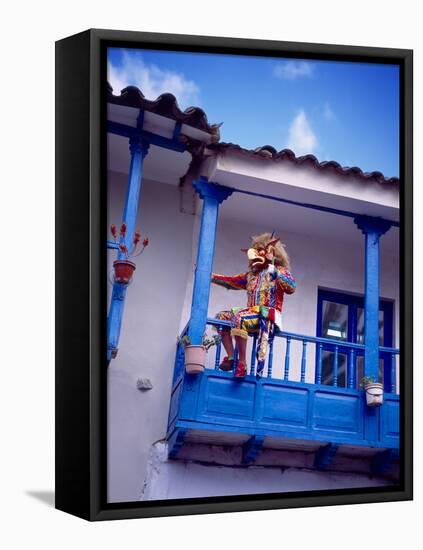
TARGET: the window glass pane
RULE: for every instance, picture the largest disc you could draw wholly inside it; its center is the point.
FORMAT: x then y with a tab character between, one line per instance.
360	326
328	358
334	320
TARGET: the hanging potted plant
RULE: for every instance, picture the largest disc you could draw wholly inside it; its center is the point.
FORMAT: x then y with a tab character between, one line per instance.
124	268
374	391
196	355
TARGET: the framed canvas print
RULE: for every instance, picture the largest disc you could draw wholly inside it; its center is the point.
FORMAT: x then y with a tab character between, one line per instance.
234	274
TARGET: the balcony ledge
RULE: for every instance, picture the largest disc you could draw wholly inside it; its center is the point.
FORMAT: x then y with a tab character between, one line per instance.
207	448
258	416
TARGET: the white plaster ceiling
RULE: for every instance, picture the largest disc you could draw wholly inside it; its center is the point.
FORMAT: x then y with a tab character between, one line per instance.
269	215
167	167
160	164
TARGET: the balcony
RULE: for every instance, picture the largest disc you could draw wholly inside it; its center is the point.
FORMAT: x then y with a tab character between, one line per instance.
289	408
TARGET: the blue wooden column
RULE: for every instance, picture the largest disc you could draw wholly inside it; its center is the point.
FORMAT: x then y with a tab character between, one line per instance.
138	148
373	229
212	196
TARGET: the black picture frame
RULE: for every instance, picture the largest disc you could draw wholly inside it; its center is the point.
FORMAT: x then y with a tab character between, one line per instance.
81	285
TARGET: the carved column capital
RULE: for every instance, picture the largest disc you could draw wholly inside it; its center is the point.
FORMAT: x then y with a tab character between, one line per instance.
369	224
211	190
138	145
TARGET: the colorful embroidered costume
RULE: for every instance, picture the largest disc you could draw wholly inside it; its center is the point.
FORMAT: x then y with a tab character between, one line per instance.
265	294
266	284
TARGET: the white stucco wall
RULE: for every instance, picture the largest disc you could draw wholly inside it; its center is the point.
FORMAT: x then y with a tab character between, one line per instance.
157	307
167	479
150	326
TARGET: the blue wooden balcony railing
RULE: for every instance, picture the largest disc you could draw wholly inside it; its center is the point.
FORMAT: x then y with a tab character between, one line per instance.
351	349
290	401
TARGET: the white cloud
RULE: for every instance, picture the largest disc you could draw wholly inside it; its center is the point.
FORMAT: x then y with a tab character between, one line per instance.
301	139
152	80
291	70
328	114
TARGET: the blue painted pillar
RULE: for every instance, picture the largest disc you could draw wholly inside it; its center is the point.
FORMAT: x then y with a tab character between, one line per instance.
114	320
212	196
373	229
138	149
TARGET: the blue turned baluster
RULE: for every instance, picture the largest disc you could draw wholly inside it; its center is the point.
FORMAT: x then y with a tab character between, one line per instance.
335	366
319	363
393	373
287	358
351	368
303	361
218	348
270	363
253	356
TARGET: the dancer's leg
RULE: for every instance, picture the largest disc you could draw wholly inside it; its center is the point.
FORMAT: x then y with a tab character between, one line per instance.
227	343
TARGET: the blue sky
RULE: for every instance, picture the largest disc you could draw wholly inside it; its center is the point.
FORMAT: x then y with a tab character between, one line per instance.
348	112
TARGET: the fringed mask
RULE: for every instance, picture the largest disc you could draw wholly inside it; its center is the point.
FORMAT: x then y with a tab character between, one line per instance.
266	249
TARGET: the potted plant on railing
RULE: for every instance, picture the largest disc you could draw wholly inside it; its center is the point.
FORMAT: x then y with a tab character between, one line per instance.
124	268
196	355
374	391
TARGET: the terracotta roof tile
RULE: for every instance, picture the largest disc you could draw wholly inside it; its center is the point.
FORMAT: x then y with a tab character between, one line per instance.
269	152
165	105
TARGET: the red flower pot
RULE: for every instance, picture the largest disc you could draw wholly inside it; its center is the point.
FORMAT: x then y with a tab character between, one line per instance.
124	269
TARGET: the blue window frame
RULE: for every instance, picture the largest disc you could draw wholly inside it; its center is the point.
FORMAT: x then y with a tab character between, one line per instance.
340	316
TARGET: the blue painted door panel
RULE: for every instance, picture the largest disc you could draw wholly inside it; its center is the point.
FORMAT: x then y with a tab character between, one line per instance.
225	397
390	421
279	406
340	412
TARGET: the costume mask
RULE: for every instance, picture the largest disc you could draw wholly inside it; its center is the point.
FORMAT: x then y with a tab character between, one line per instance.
261	254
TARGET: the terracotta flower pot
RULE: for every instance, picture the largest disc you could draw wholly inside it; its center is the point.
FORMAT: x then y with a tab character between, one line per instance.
195	359
124	270
374	394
